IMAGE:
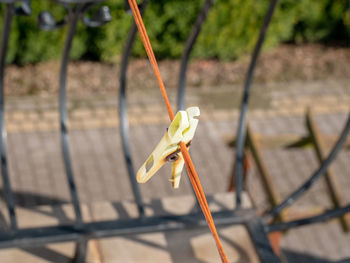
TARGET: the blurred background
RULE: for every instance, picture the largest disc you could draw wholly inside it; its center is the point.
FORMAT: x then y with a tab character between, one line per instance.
229	33
304	65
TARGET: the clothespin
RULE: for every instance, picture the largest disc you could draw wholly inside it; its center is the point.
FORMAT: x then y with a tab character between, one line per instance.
181	129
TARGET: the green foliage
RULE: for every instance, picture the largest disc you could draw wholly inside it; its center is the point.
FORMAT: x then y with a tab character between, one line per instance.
231	29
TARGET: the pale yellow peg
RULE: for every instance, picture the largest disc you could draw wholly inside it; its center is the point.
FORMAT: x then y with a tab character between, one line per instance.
181	129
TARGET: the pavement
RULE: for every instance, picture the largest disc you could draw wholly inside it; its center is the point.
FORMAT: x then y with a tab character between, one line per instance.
38	179
192	245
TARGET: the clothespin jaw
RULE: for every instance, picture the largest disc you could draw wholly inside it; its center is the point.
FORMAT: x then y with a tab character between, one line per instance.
181	129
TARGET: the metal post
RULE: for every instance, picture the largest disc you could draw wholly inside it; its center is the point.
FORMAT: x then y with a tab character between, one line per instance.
73	19
258	234
191	40
80	251
124	124
241	132
188	49
10	9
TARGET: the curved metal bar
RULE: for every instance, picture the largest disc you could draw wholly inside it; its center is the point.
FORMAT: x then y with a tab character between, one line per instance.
124	124
309	220
47	22
80	251
10	10
242	126
100	17
191	40
73	18
188	49
24	9
320	172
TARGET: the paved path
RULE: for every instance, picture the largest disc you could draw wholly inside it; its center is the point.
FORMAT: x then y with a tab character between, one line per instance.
37	173
190	245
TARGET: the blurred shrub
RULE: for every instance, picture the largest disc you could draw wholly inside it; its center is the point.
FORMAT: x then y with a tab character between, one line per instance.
230	30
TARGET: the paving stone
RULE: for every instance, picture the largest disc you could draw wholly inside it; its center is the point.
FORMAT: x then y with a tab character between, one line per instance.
45	216
38	176
177	246
313	243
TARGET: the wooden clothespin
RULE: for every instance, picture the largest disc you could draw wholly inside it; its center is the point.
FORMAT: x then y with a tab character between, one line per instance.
181	129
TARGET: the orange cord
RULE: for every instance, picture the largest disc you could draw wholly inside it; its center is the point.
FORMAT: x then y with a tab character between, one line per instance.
189	164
